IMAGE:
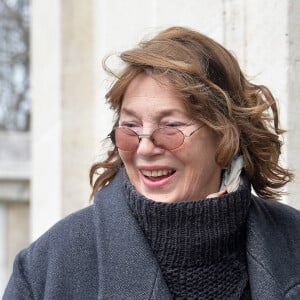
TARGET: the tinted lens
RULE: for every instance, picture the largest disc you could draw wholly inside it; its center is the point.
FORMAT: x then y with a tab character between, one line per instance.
126	139
167	138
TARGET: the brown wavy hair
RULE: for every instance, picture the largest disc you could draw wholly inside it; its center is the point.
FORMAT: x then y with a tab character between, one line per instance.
214	91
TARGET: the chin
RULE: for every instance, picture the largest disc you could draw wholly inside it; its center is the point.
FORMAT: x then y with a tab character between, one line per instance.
164	198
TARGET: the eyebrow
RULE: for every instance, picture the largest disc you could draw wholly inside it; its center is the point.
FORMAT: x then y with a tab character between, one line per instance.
163	113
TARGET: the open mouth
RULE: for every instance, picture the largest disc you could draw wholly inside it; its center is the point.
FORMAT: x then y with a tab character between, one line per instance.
157	175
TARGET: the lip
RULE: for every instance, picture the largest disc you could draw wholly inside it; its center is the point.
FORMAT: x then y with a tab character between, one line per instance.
158	183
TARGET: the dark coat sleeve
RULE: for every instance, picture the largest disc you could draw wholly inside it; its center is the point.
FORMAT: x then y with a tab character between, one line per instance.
18	286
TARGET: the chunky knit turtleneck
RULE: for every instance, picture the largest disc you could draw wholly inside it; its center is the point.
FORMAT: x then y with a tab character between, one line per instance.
199	245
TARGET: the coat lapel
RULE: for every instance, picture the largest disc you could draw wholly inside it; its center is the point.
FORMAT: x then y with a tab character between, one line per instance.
126	265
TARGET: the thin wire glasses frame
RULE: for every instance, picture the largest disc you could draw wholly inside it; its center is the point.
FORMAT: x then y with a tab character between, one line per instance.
168	138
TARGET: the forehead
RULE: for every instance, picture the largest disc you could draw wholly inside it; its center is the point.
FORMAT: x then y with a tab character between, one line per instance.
152	94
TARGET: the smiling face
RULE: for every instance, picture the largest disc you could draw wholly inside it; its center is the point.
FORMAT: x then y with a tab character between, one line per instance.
187	173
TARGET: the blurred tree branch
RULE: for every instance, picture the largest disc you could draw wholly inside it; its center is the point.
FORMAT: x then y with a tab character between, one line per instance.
14	65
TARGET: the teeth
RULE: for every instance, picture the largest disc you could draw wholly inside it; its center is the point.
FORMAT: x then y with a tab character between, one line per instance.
156	173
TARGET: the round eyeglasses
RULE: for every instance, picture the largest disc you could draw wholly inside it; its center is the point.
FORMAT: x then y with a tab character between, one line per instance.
168	138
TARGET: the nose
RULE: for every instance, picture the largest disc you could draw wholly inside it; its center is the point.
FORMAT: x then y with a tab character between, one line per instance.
146	147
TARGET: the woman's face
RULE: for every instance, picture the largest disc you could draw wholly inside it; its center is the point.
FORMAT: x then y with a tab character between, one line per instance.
184	174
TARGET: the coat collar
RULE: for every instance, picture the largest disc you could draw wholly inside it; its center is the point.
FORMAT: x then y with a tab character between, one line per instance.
127	268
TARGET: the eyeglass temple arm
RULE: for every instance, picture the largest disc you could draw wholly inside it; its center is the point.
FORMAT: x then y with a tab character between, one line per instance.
188	135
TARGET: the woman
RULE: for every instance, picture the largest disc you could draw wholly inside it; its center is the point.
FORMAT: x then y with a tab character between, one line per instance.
173	215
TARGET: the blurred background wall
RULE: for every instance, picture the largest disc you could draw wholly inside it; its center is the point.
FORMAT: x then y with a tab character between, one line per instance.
44	167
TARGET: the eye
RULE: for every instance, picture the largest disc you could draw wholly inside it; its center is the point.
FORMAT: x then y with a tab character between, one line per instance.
175	124
129	124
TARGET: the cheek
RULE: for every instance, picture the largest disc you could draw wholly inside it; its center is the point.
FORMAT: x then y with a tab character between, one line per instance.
128	161
207	147
200	153
126	157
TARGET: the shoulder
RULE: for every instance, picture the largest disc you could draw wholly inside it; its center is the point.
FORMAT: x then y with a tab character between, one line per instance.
272	222
71	234
273	213
60	256
65	258
273	243
68	231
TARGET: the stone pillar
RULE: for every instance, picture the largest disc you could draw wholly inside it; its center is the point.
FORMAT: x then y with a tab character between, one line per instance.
63	100
293	96
14	199
234	29
3	254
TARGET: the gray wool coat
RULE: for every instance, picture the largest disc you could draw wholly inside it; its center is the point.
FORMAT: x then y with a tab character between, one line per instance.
100	252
